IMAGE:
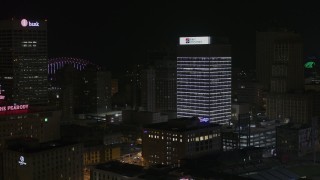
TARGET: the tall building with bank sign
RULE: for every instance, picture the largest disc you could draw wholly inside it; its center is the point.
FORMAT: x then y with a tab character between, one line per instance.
204	79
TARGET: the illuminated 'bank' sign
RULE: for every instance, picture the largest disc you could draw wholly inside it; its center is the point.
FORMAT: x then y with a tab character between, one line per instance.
25	23
194	40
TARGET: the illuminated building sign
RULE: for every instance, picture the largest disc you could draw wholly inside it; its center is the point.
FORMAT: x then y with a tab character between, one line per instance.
309	65
14	107
25	23
21	161
194	40
1	96
203	119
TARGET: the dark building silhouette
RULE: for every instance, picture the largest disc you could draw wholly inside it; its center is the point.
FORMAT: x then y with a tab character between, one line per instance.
294	141
280	72
28	159
79	87
279	60
166	85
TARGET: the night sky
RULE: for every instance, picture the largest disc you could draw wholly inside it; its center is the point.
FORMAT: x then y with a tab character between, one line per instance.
118	33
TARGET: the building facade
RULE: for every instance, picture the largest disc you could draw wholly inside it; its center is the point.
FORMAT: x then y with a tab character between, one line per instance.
279	60
78	87
31	125
148	91
100	154
295	107
53	160
166	85
116	171
24	61
204	79
295	140
167	143
264	137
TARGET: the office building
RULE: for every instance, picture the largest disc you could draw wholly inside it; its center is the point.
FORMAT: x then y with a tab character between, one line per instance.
295	140
166	86
21	123
114	86
238	109
28	159
295	107
142	117
99	154
78	87
279	61
24	61
148	91
280	71
167	143
204	79
116	170
264	137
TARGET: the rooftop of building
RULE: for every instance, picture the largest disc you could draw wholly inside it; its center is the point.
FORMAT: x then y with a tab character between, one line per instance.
32	145
124	169
294	126
221	164
182	124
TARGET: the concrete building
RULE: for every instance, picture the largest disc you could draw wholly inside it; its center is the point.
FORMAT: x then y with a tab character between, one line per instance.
264	137
279	60
116	170
166	143
166	85
100	154
280	71
204	79
142	117
148	90
238	109
30	160
24	61
30	124
250	92
79	86
297	108
114	86
295	140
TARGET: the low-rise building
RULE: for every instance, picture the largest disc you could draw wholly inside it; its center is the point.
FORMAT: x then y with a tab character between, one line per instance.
27	159
295	140
166	143
116	171
100	154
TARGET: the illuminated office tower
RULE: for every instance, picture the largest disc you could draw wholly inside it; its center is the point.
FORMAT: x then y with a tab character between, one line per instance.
23	61
204	79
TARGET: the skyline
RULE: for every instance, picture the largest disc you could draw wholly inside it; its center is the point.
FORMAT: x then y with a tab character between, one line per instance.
123	31
193	117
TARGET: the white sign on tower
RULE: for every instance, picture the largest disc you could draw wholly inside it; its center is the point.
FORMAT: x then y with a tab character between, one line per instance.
194	40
